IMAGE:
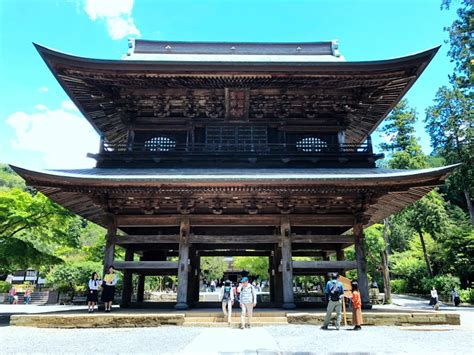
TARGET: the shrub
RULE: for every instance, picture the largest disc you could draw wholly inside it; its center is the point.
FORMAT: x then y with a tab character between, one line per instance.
72	277
444	284
4	286
399	286
467	295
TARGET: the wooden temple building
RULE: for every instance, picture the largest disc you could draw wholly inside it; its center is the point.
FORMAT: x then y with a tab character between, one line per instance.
220	149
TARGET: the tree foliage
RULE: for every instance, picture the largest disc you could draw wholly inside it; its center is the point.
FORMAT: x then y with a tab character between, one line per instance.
461	43
256	266
450	124
213	267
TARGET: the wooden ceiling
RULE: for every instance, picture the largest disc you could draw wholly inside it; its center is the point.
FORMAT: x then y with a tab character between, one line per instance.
115	95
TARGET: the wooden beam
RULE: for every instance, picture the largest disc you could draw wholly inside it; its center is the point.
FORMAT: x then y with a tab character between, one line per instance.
323	220
235	253
224	239
325	265
145	265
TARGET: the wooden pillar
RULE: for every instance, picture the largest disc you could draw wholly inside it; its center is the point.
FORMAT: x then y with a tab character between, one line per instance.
193	277
340	257
277	277
183	264
287	264
271	277
141	288
361	261
127	286
110	240
197	284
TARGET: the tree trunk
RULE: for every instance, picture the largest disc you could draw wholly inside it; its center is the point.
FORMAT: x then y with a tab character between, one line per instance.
385	270
469	206
425	253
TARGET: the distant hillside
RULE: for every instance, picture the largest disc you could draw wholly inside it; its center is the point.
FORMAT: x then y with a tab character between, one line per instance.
9	179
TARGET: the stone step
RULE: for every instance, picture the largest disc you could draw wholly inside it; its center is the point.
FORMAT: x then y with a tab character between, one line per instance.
234	319
232	325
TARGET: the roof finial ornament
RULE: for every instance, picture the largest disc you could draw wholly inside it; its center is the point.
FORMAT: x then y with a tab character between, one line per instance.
131	46
232	48
299	49
168	47
335	48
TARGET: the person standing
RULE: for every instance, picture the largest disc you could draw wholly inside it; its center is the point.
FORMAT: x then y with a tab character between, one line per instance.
247	300
108	284
334	292
455	297
93	291
13	295
27	296
227	298
356	306
434	298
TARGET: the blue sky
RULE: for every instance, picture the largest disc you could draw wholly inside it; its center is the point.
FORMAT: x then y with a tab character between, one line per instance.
39	126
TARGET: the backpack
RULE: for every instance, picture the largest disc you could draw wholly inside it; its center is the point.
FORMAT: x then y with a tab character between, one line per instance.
226	296
334	292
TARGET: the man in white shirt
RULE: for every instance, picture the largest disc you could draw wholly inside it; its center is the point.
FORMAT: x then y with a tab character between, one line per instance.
248	300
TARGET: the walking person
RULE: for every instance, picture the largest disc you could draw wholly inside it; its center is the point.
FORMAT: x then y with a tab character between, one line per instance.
93	291
334	292
108	285
356	306
455	297
247	300
27	296
434	298
227	298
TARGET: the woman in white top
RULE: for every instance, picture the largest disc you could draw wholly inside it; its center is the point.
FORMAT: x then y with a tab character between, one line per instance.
92	292
434	297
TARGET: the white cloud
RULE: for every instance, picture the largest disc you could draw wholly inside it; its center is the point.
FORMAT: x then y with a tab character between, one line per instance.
117	15
69	106
43	89
62	137
41	107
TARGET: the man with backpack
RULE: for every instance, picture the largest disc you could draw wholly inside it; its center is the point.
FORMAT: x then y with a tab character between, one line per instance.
227	297
248	300
334	293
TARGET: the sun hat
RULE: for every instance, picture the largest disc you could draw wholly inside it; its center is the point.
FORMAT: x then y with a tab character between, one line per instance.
244	279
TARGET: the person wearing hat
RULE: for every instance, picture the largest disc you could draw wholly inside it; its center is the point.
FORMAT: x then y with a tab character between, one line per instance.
227	298
334	293
248	300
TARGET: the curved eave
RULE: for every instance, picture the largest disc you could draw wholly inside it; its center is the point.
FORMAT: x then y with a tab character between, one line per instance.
73	191
115	131
169	177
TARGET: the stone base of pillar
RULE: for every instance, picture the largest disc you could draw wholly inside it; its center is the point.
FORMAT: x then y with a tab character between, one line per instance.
366	306
289	306
181	306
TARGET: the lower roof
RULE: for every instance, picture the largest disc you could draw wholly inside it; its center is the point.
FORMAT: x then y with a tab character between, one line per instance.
75	189
138	176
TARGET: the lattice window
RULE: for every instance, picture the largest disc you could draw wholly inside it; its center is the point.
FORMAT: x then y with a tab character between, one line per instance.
160	144
236	138
311	144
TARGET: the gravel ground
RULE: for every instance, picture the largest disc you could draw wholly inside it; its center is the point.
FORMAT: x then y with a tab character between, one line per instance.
296	339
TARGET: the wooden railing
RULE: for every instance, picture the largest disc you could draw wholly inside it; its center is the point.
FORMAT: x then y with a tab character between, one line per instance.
225	149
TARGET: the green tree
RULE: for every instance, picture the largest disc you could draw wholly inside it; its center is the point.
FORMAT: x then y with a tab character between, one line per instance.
450	124
428	215
213	267
32	228
461	43
255	265
400	141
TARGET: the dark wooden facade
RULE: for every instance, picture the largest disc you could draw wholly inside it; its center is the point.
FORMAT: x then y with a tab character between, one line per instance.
228	149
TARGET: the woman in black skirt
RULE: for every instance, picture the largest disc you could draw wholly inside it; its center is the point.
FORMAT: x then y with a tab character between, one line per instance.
108	291
93	286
